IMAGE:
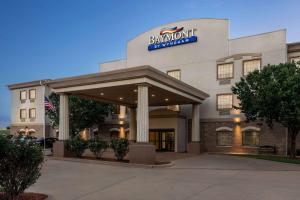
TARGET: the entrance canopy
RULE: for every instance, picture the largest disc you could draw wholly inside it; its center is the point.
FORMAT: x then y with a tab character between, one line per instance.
121	87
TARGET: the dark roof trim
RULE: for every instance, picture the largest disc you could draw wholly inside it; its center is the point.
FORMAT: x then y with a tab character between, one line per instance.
293	47
27	84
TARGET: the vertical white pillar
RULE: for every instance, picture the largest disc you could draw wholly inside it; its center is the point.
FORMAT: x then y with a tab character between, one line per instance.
63	117
196	123
132	124
142	114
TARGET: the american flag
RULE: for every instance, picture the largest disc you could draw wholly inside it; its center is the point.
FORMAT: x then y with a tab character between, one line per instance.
48	104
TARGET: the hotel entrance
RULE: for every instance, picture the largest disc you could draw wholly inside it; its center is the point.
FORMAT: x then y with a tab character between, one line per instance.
163	139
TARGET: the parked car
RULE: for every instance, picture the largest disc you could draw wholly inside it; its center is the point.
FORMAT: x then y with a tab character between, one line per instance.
26	138
48	141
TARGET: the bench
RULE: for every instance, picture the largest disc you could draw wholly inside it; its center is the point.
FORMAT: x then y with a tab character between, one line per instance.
267	149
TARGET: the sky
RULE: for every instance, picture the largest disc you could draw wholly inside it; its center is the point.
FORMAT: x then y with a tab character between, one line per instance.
42	39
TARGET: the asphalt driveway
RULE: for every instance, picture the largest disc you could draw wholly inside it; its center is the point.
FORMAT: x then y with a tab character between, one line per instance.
202	177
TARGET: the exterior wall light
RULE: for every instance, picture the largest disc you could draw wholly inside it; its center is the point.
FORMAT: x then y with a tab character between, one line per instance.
101	93
237	119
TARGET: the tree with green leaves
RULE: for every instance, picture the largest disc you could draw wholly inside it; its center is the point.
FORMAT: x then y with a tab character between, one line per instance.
272	95
84	113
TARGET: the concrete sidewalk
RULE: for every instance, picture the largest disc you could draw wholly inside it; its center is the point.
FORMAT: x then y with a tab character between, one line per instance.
201	177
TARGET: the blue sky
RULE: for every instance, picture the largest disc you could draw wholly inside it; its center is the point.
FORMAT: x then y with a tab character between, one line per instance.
55	38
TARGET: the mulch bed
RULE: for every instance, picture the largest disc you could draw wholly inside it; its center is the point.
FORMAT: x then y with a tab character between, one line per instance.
29	196
103	159
114	160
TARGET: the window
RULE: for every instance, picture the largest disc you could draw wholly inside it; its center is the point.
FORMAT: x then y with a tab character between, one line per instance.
23	113
32	113
296	60
224	101
32	94
250	66
175	74
250	138
23	95
224	138
225	71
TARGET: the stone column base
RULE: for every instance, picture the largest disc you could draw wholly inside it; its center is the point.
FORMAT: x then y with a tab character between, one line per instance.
142	153
194	148
59	149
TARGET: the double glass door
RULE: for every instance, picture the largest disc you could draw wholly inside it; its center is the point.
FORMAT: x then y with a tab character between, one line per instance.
163	139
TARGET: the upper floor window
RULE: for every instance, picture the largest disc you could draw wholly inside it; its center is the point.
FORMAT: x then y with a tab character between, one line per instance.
32	113
296	60
250	138
23	113
23	95
224	101
225	71
250	66
32	94
224	138
175	73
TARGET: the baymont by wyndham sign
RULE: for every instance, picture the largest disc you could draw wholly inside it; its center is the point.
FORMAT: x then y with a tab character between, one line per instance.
169	37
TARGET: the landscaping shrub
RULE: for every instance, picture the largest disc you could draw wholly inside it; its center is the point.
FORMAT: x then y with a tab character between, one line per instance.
20	165
120	147
97	146
77	145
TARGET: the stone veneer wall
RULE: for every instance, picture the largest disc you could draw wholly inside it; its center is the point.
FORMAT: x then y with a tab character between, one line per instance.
275	136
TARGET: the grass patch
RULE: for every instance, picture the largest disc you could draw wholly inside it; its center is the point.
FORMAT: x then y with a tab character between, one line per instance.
273	158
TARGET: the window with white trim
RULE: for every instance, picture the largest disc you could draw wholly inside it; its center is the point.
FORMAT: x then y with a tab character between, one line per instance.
296	60
250	66
250	138
32	113
32	94
23	113
225	71
224	138
175	74
224	101
23	95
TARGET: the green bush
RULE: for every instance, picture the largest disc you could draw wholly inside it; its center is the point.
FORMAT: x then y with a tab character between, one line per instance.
120	147
97	146
77	145
20	166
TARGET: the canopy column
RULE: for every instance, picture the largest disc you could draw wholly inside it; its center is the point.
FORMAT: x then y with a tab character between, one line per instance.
143	114
195	145
64	132
132	124
142	152
63	117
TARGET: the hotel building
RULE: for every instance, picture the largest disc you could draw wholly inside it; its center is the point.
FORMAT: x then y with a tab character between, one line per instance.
176	84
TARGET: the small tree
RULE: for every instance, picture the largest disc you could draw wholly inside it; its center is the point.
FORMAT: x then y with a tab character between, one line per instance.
97	146
77	145
20	165
83	112
120	147
273	94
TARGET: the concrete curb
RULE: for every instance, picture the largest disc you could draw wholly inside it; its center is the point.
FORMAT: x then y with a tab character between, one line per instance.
102	162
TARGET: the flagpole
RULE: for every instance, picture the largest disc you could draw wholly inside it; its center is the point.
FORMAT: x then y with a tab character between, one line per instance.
44	93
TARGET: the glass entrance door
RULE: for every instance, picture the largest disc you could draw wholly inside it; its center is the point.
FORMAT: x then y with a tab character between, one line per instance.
163	139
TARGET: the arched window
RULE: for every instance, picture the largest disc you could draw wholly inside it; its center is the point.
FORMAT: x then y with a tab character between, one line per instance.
251	136
224	136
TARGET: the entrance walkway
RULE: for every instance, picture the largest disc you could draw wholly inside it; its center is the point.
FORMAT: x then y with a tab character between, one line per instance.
200	177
